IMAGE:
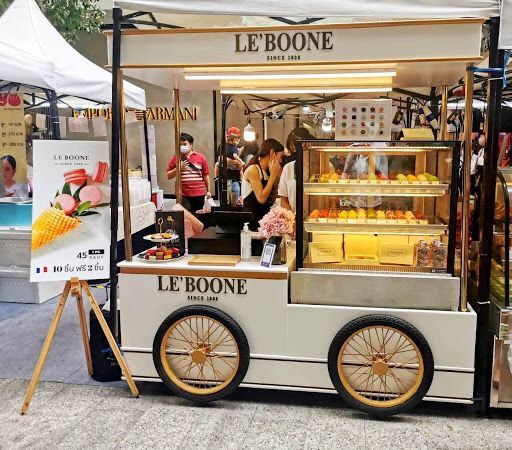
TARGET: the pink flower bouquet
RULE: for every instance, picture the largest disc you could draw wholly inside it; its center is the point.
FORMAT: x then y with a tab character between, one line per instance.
277	222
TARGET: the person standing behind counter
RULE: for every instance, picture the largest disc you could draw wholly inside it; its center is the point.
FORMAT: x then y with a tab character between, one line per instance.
195	174
288	183
259	179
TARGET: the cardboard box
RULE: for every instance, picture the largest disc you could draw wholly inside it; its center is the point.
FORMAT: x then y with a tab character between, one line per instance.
325	252
396	253
361	246
327	237
396	238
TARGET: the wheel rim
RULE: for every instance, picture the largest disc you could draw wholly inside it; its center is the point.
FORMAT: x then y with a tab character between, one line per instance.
380	366
199	354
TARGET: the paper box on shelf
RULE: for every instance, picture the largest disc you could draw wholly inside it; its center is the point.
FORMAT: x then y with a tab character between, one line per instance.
325	252
361	246
396	253
327	237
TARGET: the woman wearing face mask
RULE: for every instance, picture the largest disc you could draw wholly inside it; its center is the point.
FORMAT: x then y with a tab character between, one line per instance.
12	189
288	183
260	176
195	174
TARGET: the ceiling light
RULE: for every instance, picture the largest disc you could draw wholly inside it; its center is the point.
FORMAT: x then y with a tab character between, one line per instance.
306	109
326	125
285	76
265	91
249	133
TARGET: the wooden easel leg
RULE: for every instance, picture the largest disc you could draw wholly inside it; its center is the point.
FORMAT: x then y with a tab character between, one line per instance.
110	339
85	334
46	348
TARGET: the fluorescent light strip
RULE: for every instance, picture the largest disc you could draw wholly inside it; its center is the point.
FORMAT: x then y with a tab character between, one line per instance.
286	76
264	91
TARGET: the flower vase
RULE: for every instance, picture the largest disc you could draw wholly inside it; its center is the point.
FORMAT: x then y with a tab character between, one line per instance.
280	253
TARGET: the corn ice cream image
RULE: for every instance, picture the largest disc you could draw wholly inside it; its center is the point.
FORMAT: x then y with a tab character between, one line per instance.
50	225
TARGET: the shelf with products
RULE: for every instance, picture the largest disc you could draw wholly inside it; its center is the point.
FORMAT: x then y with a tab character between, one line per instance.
386	206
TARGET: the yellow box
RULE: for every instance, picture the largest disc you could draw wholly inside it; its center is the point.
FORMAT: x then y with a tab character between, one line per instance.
396	253
361	246
325	252
396	238
327	237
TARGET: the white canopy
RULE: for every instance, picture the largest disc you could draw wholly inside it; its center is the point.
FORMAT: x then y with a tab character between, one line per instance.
33	52
396	9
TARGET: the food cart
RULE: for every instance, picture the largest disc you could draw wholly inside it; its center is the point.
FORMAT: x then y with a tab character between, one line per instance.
371	323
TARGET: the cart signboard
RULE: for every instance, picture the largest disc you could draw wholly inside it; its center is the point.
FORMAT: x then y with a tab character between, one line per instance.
71	211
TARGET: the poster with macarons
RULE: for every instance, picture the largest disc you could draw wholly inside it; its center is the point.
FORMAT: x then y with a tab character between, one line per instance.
71	211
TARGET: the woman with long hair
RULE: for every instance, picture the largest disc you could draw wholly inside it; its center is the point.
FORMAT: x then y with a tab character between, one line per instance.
260	177
288	183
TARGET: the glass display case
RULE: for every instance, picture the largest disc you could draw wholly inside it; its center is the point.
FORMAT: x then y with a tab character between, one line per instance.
377	206
500	264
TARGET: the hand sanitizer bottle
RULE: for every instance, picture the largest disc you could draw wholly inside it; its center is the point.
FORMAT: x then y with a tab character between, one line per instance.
245	243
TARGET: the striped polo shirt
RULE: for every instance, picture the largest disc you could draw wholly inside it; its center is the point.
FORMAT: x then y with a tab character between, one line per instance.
192	183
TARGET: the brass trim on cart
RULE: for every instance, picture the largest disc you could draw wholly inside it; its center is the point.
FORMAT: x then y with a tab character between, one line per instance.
467	59
336	26
340	267
202	273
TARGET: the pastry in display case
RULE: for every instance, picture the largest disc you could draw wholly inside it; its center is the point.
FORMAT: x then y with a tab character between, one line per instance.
378	206
500	264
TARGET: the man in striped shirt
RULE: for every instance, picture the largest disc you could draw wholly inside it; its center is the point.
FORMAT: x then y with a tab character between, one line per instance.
195	174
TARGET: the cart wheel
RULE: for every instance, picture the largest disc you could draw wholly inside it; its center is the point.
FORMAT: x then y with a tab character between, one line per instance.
201	353
380	364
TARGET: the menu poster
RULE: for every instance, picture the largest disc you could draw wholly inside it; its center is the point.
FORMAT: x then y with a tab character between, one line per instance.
71	211
363	120
173	221
12	145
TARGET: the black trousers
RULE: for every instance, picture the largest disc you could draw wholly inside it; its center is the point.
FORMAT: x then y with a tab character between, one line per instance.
193	203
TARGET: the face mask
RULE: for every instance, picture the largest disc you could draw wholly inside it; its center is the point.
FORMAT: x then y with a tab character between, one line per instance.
184	149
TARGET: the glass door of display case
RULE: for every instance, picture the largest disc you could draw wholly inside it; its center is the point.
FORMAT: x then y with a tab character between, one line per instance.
377	206
500	264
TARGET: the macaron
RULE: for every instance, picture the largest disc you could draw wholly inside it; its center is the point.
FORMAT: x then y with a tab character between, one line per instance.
77	176
100	172
66	202
90	194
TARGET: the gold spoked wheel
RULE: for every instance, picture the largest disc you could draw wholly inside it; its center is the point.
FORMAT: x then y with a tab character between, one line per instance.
381	364
201	353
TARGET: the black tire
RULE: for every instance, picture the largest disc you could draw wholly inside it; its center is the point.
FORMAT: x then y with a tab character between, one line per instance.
412	333
229	323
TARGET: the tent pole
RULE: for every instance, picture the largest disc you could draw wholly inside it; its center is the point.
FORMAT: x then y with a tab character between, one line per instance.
146	144
444	112
114	164
54	114
125	184
223	173
466	186
177	153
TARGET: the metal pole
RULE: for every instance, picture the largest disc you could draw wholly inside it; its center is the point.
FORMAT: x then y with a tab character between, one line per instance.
486	318
444	112
127	221
114	164
146	144
468	126
54	114
177	133
223	175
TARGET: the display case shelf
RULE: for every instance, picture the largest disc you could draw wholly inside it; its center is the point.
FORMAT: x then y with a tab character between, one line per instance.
381	189
375	228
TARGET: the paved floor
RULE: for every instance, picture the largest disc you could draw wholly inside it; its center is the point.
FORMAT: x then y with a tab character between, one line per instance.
69	411
80	416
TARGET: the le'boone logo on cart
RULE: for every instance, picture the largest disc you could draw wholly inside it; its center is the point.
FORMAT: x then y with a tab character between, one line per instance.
202	288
